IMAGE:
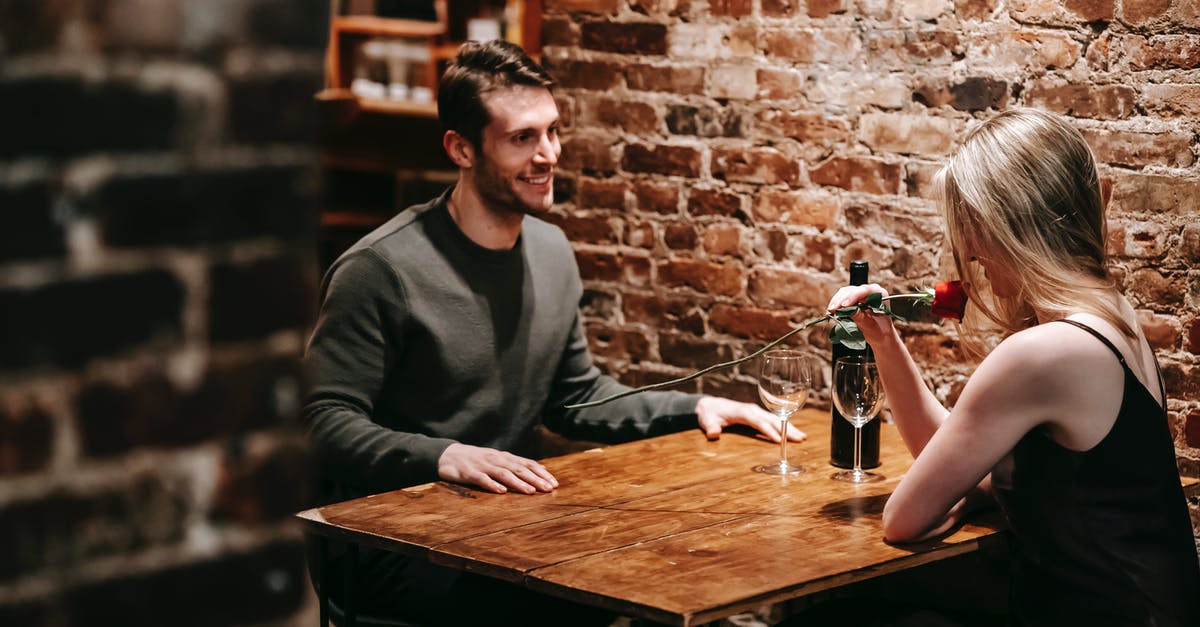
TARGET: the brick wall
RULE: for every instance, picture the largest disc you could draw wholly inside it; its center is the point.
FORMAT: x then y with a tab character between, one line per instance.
727	159
157	270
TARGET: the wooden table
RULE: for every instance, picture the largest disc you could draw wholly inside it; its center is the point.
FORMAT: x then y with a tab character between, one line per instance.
675	529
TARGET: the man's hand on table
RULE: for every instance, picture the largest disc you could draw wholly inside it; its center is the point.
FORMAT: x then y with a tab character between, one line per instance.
493	470
714	414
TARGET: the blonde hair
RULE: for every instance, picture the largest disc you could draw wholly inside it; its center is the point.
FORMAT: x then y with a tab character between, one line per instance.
1022	192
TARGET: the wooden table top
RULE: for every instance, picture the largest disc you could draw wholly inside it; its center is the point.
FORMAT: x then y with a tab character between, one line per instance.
676	529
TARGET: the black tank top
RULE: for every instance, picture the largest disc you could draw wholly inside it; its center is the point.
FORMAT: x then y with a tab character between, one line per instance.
1103	536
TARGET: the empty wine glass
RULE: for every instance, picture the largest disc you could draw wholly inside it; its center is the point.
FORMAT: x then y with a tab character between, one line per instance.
858	394
784	381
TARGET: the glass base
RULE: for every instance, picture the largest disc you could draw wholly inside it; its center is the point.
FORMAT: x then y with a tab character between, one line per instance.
779	468
856	476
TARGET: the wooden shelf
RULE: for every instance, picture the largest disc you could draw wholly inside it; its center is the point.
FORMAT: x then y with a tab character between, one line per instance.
387	27
376	105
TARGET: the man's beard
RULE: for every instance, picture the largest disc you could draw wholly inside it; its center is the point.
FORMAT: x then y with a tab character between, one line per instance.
497	192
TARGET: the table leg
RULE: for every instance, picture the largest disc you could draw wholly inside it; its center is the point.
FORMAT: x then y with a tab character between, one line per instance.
323	579
348	609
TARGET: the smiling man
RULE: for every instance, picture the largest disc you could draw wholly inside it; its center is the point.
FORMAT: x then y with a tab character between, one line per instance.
447	335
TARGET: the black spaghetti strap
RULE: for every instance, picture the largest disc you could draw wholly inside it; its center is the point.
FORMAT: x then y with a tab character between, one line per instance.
1100	337
1162	388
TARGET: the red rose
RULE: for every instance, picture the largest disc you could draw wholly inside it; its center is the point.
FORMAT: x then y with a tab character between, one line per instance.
949	300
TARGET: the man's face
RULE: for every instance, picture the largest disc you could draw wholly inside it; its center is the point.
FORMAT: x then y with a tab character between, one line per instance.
515	167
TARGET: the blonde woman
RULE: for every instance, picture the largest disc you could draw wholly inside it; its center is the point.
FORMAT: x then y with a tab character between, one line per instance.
1064	421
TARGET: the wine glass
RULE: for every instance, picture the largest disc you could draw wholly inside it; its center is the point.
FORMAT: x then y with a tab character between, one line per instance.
858	394
784	381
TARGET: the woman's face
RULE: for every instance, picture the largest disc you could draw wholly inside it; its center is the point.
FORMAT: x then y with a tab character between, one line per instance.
1001	280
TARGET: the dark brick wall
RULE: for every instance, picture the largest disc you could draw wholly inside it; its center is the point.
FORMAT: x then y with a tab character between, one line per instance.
158	266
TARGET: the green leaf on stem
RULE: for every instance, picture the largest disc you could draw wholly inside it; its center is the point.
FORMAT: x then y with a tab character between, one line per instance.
846	333
874	301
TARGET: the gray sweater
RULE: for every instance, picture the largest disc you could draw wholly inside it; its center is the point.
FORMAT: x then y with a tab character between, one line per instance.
425	338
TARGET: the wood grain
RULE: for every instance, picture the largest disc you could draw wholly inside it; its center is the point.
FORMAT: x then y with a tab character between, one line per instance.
676	529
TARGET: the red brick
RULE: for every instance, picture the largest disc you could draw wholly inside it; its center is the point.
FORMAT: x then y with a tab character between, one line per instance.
620	344
591	154
713	202
897	49
732	82
726	386
749	322
799	208
625	37
1025	50
26	433
558	31
1194	337
765	166
818	252
597	75
1142	239
1172	100
1144	12
602	7
689	351
1162	332
661	159
1182	381
663	312
647	374
779	84
1162	52
1155	194
932	349
975	9
824	8
806	126
1192	428
264	482
703	121
672	78
730	8
779	8
776	242
722	239
1150	287
787	287
585	229
703	276
602	193
899	225
918	179
1189	245
598	266
1102	102
975	93
680	235
640	234
1092	10
598	304
638	118
1137	149
789	45
1187	13
662	199
907	134
860	174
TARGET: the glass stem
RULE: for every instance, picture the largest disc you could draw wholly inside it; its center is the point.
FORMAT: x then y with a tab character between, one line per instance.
857	450
783	424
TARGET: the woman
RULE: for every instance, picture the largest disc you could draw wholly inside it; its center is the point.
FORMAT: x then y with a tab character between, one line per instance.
1064	421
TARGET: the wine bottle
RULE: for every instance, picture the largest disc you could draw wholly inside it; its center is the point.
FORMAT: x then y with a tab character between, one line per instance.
841	444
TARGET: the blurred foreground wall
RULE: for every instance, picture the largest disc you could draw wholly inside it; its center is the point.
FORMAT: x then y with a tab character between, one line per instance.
157	208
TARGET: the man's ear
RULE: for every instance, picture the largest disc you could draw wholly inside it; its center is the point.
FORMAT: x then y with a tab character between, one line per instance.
459	149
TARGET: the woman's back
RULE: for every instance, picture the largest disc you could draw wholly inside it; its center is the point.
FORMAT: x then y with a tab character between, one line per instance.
1103	534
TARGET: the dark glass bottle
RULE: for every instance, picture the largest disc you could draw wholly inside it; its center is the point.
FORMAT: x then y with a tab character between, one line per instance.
841	444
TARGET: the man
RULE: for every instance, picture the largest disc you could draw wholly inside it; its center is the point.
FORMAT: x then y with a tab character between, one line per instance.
449	333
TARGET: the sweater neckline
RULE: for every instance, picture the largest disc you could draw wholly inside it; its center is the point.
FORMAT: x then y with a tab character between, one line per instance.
470	246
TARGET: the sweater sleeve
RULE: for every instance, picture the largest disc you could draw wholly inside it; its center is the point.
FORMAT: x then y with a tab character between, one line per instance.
355	341
577	380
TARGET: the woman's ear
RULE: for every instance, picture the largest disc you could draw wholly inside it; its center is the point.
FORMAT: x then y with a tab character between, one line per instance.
460	151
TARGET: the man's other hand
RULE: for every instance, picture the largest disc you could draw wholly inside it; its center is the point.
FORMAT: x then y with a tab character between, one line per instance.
714	414
493	470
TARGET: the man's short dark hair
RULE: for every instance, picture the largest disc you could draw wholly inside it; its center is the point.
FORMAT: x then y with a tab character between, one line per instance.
478	69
